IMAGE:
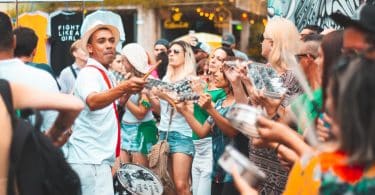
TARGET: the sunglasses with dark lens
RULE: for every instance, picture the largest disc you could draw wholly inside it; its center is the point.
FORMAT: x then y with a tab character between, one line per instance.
262	38
300	56
175	51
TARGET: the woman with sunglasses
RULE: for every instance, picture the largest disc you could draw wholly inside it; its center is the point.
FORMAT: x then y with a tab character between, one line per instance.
173	124
279	47
203	160
220	129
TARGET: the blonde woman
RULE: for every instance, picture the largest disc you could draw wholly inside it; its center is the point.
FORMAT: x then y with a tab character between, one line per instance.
181	65
279	46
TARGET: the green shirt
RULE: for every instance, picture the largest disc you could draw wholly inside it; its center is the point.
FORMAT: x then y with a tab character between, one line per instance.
200	114
311	107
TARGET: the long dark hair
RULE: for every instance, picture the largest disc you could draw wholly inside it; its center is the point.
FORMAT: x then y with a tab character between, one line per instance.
162	68
331	46
355	112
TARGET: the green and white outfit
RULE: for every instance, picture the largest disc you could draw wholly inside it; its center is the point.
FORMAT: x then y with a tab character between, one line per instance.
138	135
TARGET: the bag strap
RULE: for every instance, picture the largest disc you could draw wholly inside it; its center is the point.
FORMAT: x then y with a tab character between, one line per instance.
73	71
19	136
108	82
6	94
170	122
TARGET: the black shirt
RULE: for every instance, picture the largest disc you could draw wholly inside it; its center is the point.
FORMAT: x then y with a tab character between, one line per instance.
64	30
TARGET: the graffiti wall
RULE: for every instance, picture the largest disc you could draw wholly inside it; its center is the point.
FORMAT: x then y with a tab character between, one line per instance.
315	12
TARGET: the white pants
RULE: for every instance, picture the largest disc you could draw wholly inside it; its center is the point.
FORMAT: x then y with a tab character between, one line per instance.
202	167
95	179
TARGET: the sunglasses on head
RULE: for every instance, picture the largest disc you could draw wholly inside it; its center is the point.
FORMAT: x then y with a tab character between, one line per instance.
175	51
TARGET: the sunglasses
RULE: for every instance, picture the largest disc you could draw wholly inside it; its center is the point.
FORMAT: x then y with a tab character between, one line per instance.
300	56
175	51
262	38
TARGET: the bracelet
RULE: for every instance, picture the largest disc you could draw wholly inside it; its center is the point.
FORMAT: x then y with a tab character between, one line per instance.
154	97
277	147
146	104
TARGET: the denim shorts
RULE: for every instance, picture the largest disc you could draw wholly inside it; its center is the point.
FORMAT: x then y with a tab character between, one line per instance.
130	137
138	137
178	143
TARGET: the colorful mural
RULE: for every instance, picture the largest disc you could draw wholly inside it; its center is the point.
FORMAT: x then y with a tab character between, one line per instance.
316	12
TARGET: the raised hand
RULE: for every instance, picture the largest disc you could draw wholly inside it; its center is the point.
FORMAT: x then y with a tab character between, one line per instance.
270	130
232	73
270	104
323	128
133	85
205	101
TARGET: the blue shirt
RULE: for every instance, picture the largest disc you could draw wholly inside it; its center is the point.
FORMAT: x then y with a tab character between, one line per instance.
220	141
94	135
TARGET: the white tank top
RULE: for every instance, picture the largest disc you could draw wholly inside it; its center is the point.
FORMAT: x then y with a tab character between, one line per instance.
130	118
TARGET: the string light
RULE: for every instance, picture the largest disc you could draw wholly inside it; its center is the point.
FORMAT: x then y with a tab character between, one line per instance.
264	22
244	15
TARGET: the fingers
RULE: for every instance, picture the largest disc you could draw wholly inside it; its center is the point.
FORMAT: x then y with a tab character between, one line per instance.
322	132
128	75
204	100
241	184
327	119
180	106
261	143
135	84
264	122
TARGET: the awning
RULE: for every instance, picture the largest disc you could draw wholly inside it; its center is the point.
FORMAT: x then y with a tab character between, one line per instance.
212	40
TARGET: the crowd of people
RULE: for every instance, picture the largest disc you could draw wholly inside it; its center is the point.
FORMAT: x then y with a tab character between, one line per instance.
314	138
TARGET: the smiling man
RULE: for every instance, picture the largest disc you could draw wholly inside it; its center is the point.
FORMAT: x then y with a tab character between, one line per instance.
94	143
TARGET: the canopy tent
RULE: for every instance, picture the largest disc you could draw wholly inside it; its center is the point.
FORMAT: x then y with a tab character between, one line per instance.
212	40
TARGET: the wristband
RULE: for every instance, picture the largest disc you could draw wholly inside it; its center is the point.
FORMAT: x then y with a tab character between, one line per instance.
146	104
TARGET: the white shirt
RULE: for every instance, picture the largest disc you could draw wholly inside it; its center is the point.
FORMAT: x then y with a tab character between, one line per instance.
16	71
94	135
67	78
129	116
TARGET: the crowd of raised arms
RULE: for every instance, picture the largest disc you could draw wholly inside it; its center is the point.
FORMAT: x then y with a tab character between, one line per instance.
131	121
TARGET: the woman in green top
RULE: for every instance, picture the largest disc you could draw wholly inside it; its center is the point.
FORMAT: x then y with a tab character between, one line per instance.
203	159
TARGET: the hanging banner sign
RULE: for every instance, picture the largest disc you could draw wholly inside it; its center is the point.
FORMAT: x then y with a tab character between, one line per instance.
175	21
168	24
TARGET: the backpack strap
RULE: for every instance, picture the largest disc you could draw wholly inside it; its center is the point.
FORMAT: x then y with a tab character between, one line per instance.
108	82
6	94
19	137
73	71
